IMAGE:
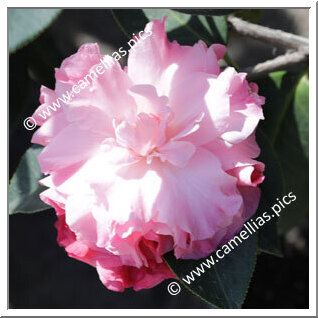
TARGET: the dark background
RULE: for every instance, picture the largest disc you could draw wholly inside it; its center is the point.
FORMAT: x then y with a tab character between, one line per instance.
41	275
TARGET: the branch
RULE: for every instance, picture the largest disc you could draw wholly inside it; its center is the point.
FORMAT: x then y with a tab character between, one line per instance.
277	64
273	36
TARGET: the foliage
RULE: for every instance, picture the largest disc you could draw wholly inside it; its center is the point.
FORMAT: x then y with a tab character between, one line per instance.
26	24
24	188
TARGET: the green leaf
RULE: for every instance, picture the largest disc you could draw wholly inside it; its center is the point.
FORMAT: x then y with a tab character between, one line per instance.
301	109
225	284
186	29
24	188
208	12
26	24
286	127
271	188
295	170
218	29
250	15
278	89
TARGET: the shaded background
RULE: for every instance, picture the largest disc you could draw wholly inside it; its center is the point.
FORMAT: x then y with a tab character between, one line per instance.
41	275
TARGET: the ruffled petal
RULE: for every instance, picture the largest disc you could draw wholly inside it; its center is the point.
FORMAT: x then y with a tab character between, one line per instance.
66	149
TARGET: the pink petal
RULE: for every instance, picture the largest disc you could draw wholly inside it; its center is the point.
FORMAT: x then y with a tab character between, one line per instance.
66	148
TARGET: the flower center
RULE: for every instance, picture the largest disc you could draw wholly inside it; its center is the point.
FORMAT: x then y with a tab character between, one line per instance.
142	136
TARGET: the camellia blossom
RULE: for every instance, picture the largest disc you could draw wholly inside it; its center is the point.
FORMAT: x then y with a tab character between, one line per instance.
153	158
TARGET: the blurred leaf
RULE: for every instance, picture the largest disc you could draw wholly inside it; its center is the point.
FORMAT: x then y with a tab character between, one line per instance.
295	169
24	188
225	284
208	12
250	15
186	29
130	21
301	108
19	82
285	133
189	29
271	188
42	56
26	24
278	89
218	29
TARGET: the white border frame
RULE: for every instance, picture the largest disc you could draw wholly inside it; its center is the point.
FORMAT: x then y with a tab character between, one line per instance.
163	312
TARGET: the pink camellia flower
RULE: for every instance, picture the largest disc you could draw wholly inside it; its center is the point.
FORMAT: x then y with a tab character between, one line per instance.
153	158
